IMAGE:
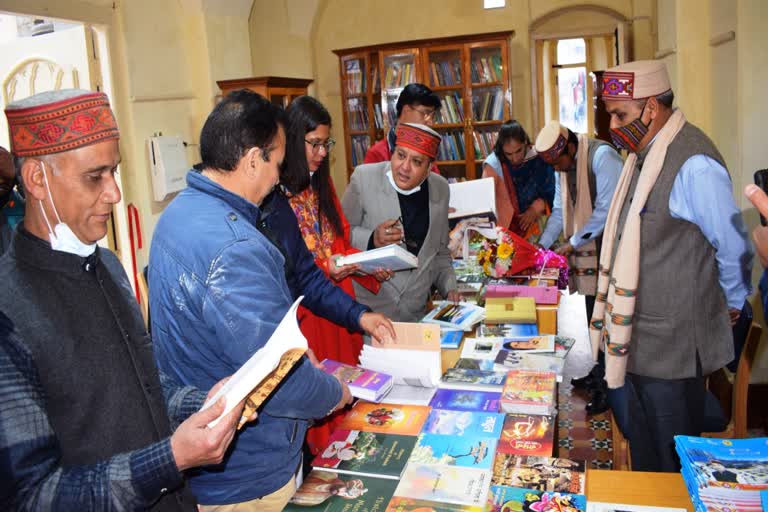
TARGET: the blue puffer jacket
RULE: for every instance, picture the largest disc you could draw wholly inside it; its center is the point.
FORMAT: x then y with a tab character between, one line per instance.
218	292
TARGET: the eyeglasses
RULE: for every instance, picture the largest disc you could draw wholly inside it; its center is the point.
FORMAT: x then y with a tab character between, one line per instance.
426	114
328	145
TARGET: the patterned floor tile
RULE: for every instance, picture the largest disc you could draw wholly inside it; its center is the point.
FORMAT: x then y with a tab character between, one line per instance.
581	436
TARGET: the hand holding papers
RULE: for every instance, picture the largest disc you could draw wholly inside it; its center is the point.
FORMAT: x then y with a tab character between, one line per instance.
392	257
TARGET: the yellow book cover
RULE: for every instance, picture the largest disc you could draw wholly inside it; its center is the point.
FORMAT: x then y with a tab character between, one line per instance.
405	420
510	310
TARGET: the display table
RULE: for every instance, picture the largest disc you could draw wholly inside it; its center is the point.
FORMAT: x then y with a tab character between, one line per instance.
638	488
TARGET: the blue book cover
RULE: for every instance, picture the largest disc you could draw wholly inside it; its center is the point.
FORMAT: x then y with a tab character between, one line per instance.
725	462
507	330
460	400
464	423
461	451
450	338
503	498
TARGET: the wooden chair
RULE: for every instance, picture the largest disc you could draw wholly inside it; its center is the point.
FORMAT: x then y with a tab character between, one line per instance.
144	296
736	400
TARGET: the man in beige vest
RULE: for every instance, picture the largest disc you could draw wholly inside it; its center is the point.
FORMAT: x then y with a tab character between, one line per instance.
674	266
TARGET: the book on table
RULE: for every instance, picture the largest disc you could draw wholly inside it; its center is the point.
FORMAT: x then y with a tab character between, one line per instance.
366	384
445	484
413	360
543	343
542	473
260	375
390	257
400	419
450	338
464	423
481	348
365	453
503	498
529	392
455	315
402	504
518	360
477	380
501	310
596	506
472	198
485	330
527	434
462	451
466	363
540	294
460	400
329	491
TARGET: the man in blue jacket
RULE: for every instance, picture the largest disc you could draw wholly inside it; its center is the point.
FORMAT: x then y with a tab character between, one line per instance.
219	285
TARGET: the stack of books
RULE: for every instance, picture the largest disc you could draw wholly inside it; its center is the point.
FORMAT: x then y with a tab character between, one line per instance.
451	109
484	143
529	392
365	384
514	310
724	474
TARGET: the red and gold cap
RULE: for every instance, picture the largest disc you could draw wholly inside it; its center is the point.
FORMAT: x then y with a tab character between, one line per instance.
551	141
58	121
635	80
418	137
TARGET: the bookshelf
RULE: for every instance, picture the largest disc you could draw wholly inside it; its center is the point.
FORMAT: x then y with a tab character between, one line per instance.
469	73
279	90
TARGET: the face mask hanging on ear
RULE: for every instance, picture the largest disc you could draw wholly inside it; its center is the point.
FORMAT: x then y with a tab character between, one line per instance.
61	236
400	190
629	136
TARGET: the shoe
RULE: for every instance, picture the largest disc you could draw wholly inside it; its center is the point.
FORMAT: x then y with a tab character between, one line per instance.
586	382
599	402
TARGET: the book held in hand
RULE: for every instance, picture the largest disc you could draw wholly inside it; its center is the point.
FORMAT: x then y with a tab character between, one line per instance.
390	257
472	198
366	384
365	453
258	377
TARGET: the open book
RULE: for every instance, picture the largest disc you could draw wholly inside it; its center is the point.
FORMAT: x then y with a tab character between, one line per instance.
262	373
472	198
391	257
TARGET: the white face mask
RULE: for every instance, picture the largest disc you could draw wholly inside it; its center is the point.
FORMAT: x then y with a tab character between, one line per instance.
399	190
61	236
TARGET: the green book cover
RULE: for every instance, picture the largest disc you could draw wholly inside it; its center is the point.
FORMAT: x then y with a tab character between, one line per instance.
334	492
366	453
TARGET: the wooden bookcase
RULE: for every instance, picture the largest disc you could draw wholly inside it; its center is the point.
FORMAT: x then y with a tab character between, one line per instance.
279	90
469	73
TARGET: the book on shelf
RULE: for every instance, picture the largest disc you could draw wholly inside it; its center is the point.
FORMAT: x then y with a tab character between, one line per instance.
392	257
461	451
375	79
400	419
464	423
360	146
366	384
543	343
515	360
527	434
402	504
462	400
542	473
502	310
379	120
329	491
260	375
503	498
485	330
472	198
529	392
365	453
477	380
445	484
456	316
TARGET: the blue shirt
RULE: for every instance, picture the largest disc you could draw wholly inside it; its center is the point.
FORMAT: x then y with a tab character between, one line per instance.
533	179
606	165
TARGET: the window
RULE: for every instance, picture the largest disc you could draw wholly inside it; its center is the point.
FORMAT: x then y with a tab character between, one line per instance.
571	66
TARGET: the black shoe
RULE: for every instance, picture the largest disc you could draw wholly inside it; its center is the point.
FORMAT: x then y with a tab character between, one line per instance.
586	382
599	403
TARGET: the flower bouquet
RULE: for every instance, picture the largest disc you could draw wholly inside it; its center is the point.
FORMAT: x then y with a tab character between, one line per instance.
506	254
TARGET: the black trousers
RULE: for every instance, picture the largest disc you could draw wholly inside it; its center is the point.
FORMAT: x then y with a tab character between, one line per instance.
658	410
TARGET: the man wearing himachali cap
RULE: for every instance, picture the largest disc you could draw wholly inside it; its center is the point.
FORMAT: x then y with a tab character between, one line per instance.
87	421
674	266
401	202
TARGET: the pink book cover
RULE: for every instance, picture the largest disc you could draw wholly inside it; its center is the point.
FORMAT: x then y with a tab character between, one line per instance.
355	376
541	294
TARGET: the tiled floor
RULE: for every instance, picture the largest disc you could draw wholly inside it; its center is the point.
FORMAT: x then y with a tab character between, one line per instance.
580	436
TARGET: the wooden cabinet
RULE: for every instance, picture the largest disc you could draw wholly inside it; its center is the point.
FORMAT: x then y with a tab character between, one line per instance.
279	90
469	73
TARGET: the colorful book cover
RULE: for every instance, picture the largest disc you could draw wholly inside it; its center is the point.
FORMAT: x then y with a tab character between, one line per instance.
563	345
516	360
527	434
459	400
464	423
475	364
470	378
507	330
405	420
508	499
456	316
367	453
596	506
462	451
362	383
540	473
333	492
529	389
445	484
540	343
400	504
